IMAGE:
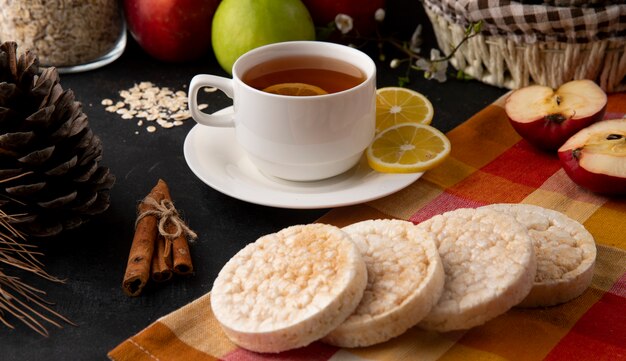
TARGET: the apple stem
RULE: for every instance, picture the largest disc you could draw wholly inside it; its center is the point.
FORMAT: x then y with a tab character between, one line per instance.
558	100
614	137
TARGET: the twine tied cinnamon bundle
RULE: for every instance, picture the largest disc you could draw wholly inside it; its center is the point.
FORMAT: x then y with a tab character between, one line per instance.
159	247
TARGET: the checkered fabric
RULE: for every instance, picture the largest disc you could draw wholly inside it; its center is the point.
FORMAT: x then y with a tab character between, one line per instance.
529	22
489	163
579	3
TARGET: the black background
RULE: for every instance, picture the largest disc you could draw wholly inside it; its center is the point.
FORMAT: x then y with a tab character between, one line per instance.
92	259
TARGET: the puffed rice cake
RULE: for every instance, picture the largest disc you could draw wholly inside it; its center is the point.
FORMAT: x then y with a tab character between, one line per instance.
404	280
565	251
289	288
489	266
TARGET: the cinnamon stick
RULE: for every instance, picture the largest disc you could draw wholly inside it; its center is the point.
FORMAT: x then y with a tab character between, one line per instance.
181	255
141	251
162	261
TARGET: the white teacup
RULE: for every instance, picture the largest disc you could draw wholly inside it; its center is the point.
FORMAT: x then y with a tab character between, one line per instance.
300	138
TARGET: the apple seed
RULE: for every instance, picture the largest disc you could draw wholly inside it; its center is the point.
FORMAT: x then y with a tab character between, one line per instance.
557	118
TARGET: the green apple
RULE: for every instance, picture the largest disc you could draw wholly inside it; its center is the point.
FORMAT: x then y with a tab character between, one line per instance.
242	25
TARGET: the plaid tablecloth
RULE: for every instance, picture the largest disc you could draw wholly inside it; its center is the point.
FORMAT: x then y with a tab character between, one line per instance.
489	164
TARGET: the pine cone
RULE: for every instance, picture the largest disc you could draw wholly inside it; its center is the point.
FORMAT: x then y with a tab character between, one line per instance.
49	172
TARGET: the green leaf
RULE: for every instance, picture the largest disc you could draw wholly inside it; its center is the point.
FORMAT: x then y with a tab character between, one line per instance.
403	80
461	75
478	27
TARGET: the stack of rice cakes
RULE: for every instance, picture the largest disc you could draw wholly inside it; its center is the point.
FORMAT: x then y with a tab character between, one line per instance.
373	280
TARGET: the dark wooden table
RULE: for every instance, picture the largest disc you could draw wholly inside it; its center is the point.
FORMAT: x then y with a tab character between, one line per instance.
92	259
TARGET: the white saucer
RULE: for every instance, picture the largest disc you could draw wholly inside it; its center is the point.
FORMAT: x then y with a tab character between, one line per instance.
214	156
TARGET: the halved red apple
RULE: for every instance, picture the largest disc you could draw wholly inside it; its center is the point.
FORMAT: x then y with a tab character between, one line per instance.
546	118
595	157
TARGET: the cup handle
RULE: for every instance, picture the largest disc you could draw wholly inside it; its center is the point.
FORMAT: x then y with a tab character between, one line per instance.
223	84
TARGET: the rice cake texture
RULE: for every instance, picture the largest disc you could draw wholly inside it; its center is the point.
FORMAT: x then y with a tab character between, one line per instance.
489	266
289	288
565	251
404	280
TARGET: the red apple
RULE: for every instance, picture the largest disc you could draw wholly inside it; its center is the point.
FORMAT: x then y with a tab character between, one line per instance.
171	30
595	157
362	12
546	118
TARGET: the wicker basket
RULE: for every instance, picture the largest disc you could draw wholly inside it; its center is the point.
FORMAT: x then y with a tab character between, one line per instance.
506	61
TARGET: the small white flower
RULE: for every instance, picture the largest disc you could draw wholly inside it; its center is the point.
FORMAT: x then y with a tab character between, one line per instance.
379	15
423	64
344	23
433	69
440	73
394	63
435	54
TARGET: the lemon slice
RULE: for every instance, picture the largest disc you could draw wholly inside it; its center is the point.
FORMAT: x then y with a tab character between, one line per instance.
408	148
396	105
295	89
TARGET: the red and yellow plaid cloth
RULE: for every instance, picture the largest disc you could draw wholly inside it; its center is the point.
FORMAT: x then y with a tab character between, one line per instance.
489	164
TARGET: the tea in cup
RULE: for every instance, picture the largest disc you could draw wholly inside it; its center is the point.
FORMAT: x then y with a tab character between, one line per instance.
302	110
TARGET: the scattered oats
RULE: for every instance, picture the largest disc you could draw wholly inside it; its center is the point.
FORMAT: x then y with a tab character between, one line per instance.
210	89
140	123
151	129
203	106
164	106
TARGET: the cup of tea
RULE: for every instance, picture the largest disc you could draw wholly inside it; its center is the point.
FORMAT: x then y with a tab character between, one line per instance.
302	110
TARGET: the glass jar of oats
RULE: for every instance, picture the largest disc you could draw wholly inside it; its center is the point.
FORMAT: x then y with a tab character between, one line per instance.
72	35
